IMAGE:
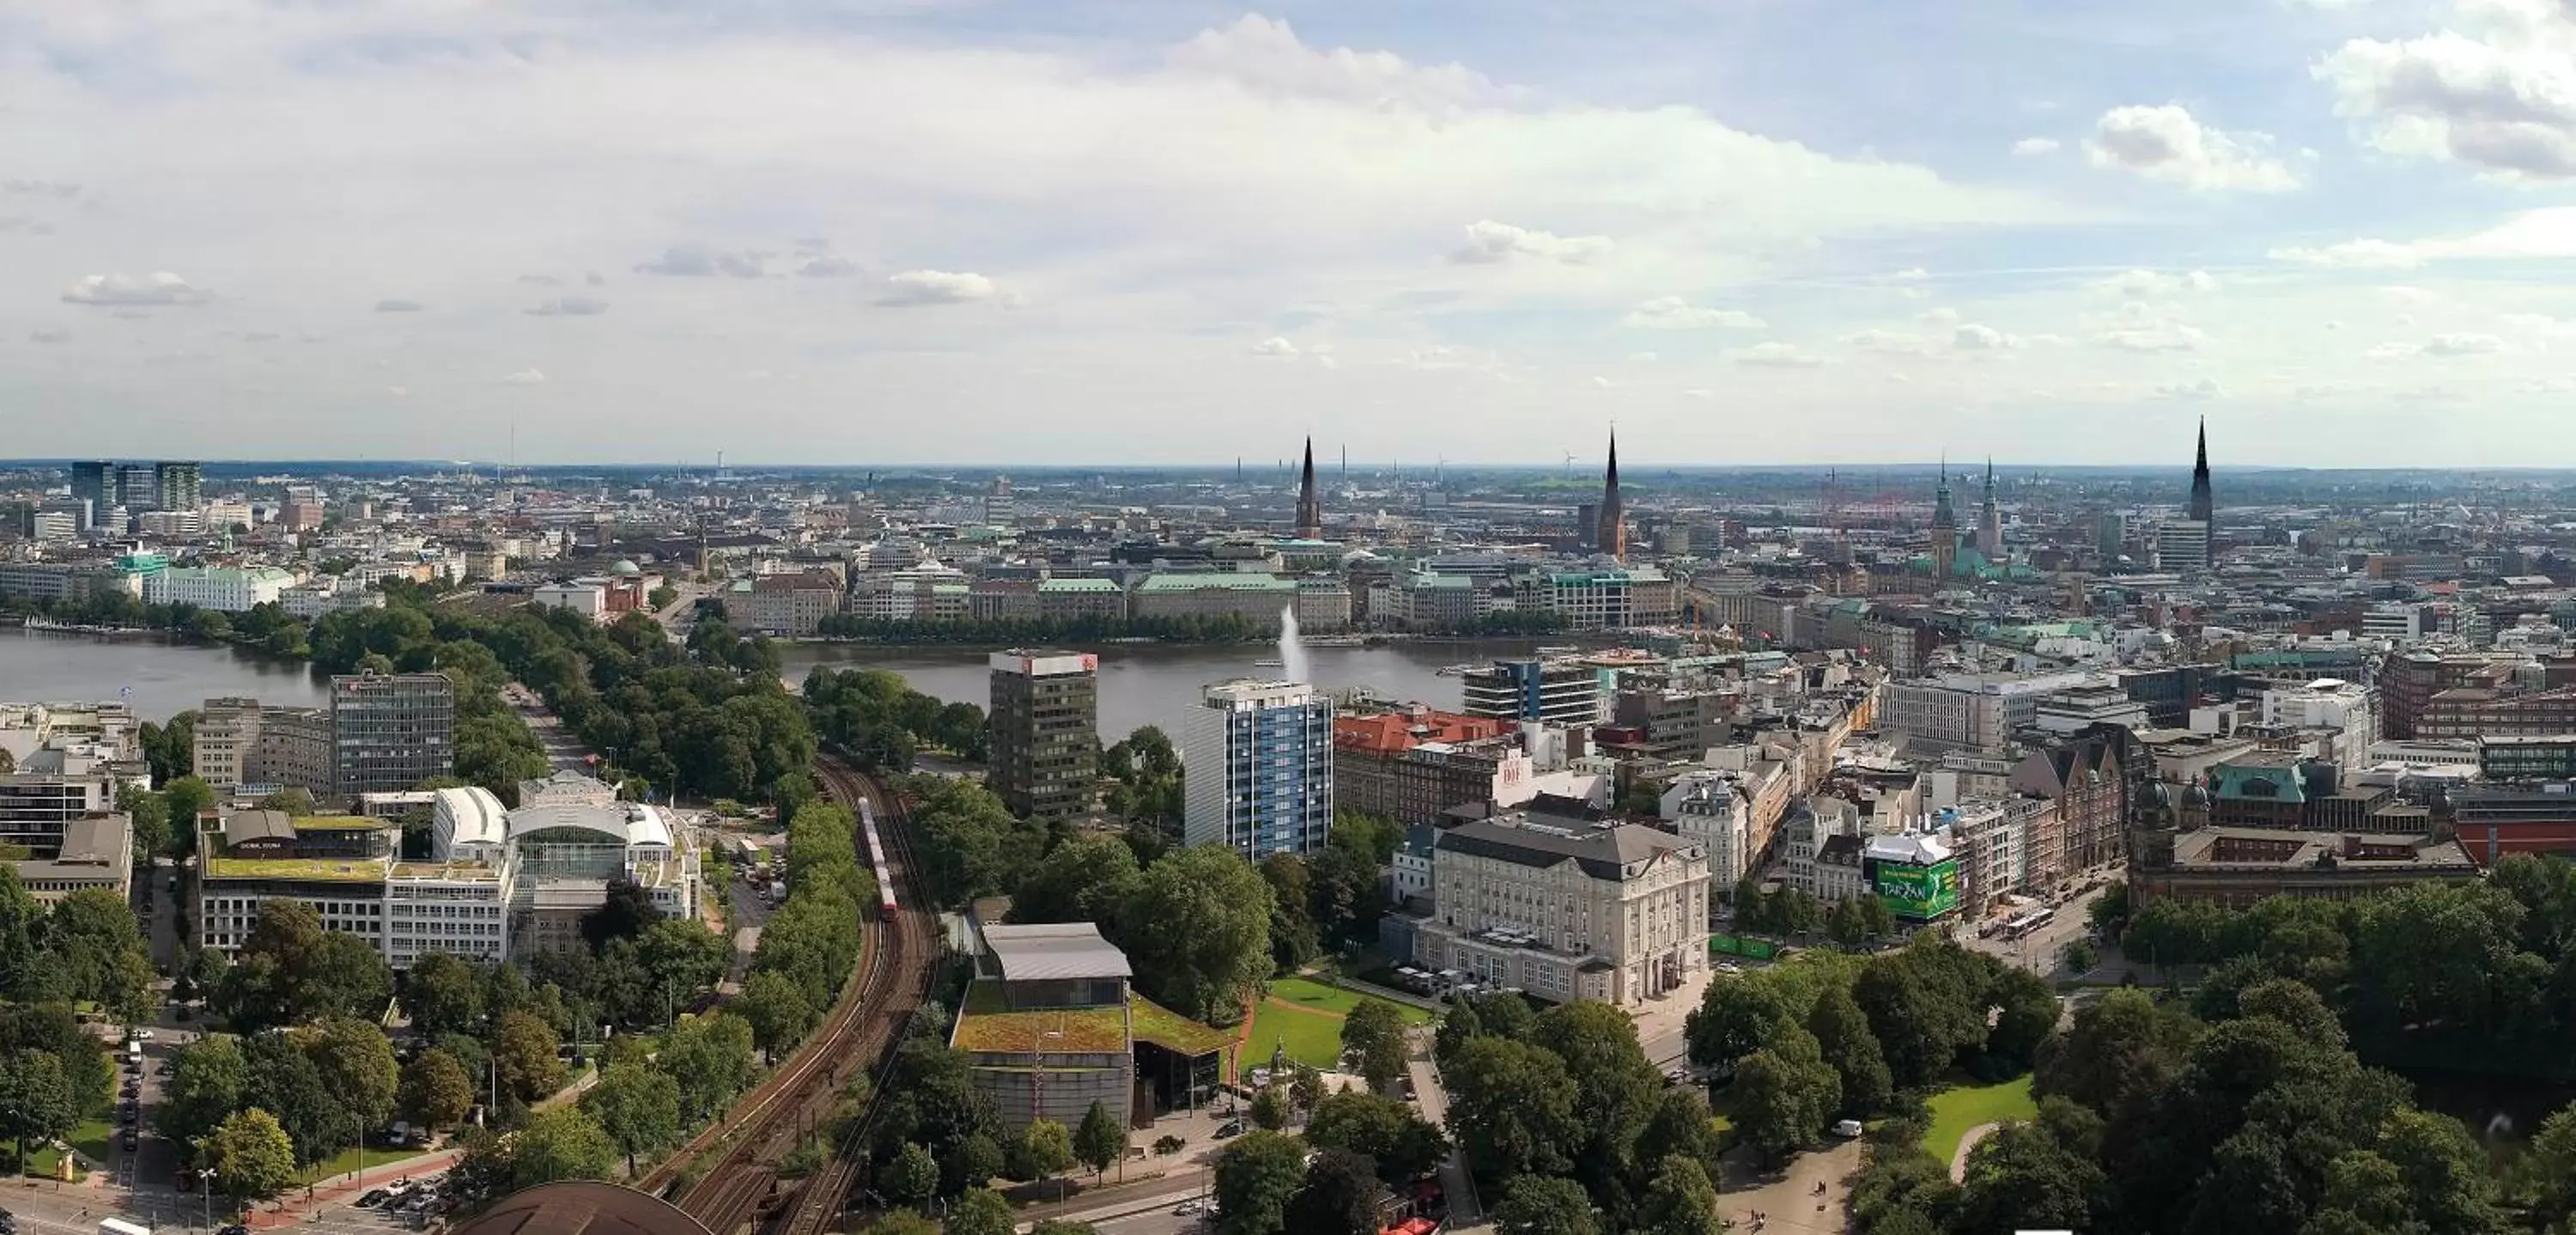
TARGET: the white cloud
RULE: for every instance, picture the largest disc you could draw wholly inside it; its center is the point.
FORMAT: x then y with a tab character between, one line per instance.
928	287
2500	98
1941	315
2031	147
1888	342
49	334
693	261
1489	242
827	267
2165	143
2196	391
398	306
524	377
159	288
2463	344
1776	356
568	306
2152	337
1973	337
1675	313
1275	347
1264	55
2144	284
2358	254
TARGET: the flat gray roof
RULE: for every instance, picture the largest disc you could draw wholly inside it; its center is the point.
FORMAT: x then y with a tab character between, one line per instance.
1054	951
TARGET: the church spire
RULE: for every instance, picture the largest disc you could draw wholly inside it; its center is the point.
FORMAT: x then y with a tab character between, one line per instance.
1310	504
2201	505
1610	531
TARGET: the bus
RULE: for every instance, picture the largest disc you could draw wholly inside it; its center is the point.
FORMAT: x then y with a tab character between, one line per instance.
2029	922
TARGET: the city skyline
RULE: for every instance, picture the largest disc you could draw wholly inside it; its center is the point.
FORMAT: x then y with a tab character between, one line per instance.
918	231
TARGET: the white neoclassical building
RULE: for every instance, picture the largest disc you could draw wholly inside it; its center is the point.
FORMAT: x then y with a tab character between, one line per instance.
1617	914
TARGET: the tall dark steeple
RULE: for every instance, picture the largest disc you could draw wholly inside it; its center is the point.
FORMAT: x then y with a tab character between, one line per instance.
1990	520
2200	503
1610	528
1310	505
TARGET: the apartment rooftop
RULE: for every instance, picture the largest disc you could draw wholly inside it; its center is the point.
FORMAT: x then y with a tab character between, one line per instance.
2249	849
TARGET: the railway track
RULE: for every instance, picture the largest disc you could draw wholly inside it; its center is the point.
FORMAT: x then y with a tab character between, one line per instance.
741	1188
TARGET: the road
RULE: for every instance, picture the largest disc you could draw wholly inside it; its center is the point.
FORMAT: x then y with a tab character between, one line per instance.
564	752
2042	950
682	613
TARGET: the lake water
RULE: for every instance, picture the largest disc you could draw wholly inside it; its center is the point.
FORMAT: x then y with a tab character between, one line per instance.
1148	684
1140	684
163	679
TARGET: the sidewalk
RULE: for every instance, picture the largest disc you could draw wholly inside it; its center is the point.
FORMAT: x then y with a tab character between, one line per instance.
339	1188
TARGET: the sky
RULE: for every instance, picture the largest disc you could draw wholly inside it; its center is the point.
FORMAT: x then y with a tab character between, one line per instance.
1163	231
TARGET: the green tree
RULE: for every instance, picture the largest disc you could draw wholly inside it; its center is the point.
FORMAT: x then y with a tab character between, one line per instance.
561	1142
1373	1040
357	1064
1088	878
1842	1034
1615	1087
903	1222
971	1162
250	1155
1256	1178
1512	1108
1388	1131
1270	1109
1046	1152
35	1100
527	1054
711	1058
21	925
291	800
777	1010
443	995
1922	1007
1101	1141
186	798
93	935
2121	1050
436	1091
2547	1175
149	815
1735	1018
912	1178
1785	1094
1197	931
1544	1205
2026	1011
1682	1201
1680	1125
1293	940
2022	1178
981	1211
208	1081
638	1106
1338	1196
1062	1226
284	1081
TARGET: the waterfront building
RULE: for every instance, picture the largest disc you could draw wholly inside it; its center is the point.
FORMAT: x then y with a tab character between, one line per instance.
1258	758
391	731
1556	692
1045	726
224	589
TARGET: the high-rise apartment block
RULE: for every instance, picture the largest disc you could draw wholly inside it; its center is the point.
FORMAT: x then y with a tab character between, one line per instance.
94	482
138	487
1258	763
391	731
1045	725
180	486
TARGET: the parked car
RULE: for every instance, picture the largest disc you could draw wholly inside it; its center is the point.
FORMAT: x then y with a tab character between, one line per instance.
1187	1208
372	1199
1234	1128
1848	1129
234	1229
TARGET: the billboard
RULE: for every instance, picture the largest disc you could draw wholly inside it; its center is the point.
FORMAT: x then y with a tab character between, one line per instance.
1917	893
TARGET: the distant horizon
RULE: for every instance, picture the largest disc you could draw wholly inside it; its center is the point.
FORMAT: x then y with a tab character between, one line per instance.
1633	467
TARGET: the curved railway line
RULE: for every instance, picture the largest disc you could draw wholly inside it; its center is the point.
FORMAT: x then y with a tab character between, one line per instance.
741	1188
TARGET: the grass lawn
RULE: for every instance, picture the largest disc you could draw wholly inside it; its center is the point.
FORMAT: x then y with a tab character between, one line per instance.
347	1160
1954	1111
90	1140
1312	1026
1309	993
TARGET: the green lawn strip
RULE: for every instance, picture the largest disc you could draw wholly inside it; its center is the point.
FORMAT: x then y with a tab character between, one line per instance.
1954	1111
346	1161
1308	993
90	1140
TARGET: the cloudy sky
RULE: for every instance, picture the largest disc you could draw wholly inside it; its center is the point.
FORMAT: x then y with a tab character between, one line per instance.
1067	231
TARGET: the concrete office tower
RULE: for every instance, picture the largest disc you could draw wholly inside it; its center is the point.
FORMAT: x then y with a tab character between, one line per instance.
1310	505
94	482
1945	530
1045	725
1610	532
1257	761
390	732
1990	521
180	485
